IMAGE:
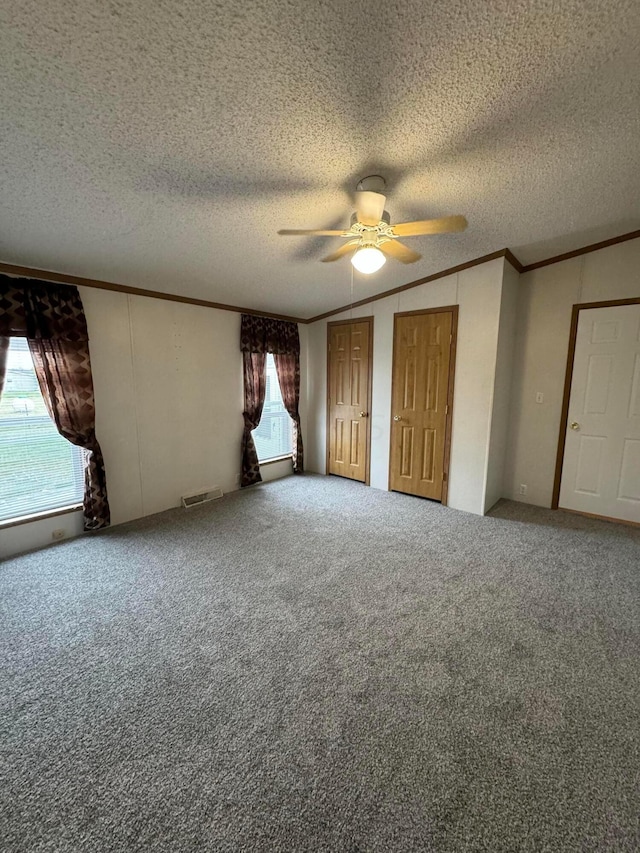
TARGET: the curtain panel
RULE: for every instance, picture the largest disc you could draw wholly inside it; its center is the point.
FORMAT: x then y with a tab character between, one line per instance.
32	309
259	336
263	334
52	319
4	347
288	370
255	386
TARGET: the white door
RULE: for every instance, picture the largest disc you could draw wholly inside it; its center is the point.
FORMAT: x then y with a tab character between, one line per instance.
601	469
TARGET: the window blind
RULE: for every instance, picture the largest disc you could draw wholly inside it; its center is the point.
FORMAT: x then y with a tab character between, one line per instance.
39	470
274	436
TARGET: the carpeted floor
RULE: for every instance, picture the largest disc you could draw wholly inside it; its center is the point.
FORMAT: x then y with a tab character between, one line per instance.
316	666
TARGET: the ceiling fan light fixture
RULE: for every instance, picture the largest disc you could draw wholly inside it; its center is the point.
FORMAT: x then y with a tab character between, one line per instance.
368	260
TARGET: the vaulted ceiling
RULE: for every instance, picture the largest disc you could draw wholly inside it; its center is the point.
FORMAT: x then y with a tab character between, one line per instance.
162	143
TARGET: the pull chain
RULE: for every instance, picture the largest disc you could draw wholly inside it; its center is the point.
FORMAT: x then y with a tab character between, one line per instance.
351	295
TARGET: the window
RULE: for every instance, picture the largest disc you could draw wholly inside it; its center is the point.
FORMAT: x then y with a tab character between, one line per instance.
273	436
39	470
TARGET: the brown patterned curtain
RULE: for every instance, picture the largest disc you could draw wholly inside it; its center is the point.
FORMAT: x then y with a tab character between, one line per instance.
259	336
288	370
4	347
255	385
52	319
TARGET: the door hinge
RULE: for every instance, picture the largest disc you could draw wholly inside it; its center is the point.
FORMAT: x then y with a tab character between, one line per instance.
446	409
451	338
444	477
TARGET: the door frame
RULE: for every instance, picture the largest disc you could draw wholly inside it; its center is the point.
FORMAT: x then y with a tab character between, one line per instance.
568	378
349	322
453	310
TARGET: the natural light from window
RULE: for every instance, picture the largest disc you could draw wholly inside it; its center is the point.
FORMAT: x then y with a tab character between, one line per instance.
273	436
39	470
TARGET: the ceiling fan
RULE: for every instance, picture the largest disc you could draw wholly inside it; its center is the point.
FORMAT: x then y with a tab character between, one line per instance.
371	236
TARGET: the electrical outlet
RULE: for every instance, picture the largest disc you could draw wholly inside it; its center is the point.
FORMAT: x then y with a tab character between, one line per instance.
56	535
523	489
539	397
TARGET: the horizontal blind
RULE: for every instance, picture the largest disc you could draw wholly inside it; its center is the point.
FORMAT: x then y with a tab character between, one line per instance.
273	436
39	470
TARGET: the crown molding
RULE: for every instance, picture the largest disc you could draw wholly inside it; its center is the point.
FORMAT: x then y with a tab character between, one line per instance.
502	253
515	263
592	247
63	278
507	254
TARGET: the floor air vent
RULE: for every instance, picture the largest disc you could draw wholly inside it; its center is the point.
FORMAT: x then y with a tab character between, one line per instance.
201	497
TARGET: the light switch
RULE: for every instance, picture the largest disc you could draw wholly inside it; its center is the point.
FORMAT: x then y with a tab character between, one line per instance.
539	397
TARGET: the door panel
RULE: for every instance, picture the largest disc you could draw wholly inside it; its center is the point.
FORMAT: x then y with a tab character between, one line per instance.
338	453
421	363
596	398
348	399
355	444
601	466
429	455
589	468
406	452
433	383
634	401
630	476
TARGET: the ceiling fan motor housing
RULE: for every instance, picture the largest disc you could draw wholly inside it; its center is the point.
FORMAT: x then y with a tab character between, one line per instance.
385	218
372	183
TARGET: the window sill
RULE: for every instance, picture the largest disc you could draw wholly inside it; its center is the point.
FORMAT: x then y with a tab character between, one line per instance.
39	516
276	459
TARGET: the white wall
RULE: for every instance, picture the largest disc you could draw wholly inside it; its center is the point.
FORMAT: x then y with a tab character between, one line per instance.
36	534
546	297
479	295
501	407
169	400
478	292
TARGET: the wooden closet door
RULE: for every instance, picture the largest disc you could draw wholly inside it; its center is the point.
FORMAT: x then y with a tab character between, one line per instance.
421	363
348	398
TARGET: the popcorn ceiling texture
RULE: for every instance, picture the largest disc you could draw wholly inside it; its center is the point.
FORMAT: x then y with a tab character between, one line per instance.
162	144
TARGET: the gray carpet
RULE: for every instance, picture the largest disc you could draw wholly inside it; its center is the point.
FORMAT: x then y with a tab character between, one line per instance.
316	666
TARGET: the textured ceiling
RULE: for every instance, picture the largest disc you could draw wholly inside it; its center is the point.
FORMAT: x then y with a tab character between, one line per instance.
162	144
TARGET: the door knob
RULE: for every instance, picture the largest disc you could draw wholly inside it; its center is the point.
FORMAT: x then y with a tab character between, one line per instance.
575	425
397	418
364	414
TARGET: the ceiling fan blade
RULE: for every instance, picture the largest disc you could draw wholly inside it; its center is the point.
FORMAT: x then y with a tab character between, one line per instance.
288	232
341	252
369	207
430	226
399	251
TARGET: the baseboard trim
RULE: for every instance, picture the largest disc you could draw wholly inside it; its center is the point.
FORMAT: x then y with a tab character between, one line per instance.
600	517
